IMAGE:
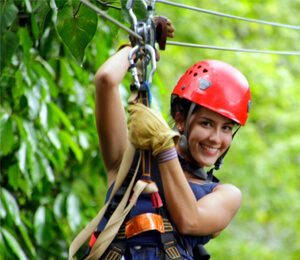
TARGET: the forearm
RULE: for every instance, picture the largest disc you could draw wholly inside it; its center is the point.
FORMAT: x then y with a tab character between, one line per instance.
109	111
181	201
112	72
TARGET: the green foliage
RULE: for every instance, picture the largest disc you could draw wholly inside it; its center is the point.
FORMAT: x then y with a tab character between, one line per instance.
53	180
76	30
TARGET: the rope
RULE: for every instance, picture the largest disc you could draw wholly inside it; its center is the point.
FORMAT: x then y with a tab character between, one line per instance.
232	49
229	16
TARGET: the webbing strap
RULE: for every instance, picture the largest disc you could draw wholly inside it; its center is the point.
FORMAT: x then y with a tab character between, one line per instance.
116	220
85	234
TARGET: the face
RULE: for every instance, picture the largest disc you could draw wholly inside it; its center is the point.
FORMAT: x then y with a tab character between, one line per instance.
210	134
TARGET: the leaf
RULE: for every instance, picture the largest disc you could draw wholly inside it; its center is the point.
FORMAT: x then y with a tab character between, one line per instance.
59	206
28	6
33	103
13	176
9	44
83	140
139	9
77	30
60	3
31	135
27	43
34	26
2	210
44	164
67	139
6	133
37	171
11	205
73	211
116	14
52	134
41	12
21	155
26	238
42	223
43	115
54	112
8	14
13	244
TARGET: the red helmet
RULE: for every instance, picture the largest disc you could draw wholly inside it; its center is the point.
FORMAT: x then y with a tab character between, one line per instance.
217	86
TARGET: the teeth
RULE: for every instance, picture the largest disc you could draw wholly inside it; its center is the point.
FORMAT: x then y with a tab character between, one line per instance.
209	148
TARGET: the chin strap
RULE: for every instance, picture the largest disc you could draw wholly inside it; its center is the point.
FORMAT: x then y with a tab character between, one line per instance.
197	171
183	142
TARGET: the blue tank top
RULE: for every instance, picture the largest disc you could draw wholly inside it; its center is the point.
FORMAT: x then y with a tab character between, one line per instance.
144	205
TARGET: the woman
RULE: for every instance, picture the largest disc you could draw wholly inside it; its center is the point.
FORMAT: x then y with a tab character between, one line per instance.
208	101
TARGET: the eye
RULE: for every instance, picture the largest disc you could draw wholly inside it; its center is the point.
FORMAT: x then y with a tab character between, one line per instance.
228	128
205	123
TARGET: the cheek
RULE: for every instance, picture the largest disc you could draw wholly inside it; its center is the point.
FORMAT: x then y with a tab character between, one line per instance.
227	139
197	134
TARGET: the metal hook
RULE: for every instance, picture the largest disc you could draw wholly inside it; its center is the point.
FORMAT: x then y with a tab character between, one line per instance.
133	67
153	63
129	7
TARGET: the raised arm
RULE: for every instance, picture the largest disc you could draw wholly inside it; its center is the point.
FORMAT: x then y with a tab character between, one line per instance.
209	215
109	111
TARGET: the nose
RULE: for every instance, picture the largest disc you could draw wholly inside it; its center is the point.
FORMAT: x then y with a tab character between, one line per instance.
215	135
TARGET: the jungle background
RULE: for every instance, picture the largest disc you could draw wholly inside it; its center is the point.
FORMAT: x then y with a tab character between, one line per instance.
53	181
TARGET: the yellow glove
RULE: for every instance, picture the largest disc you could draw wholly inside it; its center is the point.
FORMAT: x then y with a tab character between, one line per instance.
148	130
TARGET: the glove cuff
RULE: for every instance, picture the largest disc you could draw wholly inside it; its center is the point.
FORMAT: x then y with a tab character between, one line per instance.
168	153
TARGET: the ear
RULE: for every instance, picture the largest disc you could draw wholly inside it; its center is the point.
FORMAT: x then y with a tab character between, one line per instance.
179	122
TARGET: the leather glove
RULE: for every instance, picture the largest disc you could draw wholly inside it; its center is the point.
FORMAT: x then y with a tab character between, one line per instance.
148	130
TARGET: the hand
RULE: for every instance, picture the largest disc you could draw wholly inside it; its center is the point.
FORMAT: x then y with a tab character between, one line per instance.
164	29
148	130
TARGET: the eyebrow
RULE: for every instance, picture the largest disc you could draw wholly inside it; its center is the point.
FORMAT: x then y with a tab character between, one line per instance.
209	119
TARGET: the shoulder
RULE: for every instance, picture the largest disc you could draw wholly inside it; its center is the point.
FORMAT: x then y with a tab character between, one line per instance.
229	190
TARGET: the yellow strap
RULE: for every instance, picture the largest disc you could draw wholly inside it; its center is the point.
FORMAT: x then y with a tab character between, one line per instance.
85	234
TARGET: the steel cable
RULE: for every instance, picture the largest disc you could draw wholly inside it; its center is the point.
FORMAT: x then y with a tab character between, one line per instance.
106	16
229	16
232	49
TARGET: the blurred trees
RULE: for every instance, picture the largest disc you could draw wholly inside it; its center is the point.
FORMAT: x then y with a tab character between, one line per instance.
52	178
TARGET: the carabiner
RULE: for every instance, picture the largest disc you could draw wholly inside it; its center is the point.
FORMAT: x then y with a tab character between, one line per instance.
133	67
153	63
129	7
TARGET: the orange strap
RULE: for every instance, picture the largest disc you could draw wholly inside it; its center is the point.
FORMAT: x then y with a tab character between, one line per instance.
144	222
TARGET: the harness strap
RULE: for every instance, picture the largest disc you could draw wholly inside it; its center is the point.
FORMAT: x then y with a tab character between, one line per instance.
85	234
114	223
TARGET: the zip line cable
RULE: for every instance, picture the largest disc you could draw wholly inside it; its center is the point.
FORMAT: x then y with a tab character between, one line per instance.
232	49
229	16
131	32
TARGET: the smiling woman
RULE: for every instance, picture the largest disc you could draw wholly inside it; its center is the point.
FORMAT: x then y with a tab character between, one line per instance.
208	101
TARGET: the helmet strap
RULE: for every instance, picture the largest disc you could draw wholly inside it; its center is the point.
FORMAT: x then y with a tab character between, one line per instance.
183	142
219	162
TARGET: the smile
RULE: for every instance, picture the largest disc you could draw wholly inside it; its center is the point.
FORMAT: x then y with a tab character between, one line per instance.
210	149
